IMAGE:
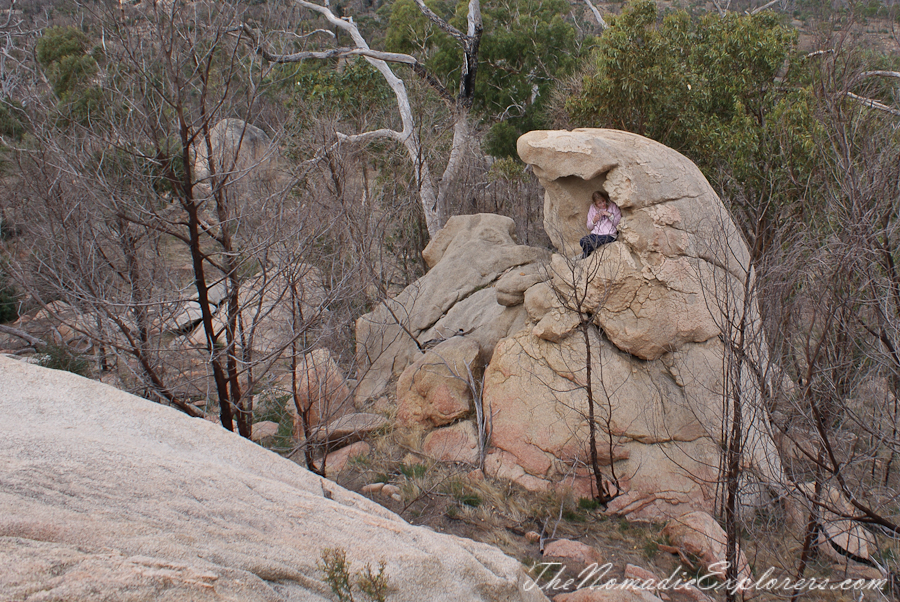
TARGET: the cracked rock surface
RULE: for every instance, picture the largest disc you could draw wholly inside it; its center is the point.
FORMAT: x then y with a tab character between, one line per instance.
652	307
104	495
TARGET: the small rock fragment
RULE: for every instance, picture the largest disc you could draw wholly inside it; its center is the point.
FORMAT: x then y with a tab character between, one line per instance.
390	490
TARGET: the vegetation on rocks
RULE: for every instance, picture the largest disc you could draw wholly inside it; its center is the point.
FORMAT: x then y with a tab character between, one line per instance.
199	201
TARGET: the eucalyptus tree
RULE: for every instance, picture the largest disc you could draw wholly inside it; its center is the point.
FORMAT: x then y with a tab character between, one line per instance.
495	61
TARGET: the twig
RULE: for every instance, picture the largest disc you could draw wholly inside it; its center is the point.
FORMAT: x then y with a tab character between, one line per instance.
35	341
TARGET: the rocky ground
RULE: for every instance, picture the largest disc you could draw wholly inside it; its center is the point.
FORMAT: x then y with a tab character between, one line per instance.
468	416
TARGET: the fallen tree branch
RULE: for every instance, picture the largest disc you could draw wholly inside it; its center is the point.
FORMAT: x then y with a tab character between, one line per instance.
763	7
880	73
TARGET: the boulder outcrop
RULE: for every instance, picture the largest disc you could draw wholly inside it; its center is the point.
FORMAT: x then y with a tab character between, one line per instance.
648	314
696	536
322	391
457	443
652	306
238	148
104	491
679	257
465	258
436	389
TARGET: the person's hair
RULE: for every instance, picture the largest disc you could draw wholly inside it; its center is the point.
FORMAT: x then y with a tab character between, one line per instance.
600	195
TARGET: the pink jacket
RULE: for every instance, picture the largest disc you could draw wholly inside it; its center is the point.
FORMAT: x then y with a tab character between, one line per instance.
607	225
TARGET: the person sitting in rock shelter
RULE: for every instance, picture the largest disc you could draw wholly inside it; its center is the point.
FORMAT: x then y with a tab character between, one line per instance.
603	219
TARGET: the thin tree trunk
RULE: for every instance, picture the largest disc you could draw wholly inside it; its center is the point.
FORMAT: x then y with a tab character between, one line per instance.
602	496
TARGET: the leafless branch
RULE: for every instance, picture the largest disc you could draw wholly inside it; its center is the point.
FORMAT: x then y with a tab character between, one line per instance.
600	21
32	340
873	104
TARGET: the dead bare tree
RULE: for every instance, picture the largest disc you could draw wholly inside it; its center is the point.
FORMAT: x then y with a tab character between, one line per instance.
574	282
156	174
433	193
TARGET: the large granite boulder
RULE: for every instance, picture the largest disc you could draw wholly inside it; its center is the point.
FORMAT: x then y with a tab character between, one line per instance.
238	148
104	495
322	392
437	388
652	306
697	538
465	258
658	440
679	257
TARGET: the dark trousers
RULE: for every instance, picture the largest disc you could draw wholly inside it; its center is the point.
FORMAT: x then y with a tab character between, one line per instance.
591	242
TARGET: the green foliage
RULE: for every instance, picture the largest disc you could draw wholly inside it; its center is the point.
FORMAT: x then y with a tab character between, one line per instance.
727	91
9	298
63	53
587	503
58	43
353	90
10	125
70	68
85	106
373	584
526	47
573	516
272	408
71	73
337	573
677	78
462	493
413	471
500	140
60	357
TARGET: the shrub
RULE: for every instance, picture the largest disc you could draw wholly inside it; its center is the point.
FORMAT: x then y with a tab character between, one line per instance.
63	53
336	567
9	299
60	357
10	125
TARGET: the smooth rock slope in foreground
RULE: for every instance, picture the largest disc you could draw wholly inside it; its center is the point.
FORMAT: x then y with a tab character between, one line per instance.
104	495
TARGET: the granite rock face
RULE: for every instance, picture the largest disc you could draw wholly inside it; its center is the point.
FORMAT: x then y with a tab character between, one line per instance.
106	494
679	257
465	259
649	311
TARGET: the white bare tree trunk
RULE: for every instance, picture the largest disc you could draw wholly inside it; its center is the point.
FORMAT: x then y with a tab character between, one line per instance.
406	136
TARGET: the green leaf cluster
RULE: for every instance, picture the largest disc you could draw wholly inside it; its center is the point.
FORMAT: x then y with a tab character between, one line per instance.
727	91
63	53
353	88
526	47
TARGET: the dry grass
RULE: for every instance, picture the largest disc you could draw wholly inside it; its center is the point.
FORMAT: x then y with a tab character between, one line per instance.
460	500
